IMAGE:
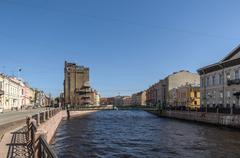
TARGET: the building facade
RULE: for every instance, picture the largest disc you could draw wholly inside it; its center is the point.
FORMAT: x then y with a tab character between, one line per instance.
162	92
32	96
11	93
95	98
16	94
107	101
151	95
187	96
220	82
176	80
127	101
77	89
139	98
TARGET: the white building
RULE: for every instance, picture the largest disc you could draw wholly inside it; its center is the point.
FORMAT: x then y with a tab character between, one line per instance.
220	82
10	93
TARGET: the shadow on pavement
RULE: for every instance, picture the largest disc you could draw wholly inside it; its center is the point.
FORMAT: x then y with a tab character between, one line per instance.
19	146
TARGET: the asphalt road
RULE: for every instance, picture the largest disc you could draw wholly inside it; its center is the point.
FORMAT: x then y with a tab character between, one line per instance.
14	116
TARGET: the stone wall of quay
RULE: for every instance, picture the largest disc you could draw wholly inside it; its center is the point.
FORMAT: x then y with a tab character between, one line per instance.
203	117
49	126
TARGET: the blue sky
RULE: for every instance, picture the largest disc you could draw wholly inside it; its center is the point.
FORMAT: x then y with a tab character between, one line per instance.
128	44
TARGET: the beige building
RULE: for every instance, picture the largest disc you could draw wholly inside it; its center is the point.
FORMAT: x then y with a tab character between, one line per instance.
127	100
151	95
32	96
77	90
139	98
177	80
220	82
95	98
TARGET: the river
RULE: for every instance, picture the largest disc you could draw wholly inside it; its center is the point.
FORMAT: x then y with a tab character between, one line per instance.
138	134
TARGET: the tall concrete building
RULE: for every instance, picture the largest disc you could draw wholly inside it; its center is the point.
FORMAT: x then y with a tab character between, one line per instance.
77	90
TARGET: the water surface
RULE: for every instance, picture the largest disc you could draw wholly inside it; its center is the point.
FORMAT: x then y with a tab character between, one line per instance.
138	134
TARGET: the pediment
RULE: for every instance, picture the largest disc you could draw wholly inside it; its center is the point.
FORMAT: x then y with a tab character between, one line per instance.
234	54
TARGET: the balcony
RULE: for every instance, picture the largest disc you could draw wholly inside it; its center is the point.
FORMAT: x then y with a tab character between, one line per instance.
81	91
86	85
1	92
233	82
85	97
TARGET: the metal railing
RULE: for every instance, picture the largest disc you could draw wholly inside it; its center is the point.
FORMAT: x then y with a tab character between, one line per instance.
30	136
39	146
44	149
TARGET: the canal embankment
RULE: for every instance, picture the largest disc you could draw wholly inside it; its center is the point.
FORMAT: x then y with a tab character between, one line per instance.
45	125
49	127
219	119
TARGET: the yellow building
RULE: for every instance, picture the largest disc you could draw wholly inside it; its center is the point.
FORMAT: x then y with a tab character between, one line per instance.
188	96
32	95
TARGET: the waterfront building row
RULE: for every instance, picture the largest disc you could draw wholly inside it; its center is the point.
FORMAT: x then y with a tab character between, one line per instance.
137	99
17	94
175	90
216	86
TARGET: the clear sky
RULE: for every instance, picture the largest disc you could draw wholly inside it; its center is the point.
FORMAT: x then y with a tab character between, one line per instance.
128	44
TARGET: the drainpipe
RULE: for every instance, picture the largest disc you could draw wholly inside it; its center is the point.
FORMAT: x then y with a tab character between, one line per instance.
204	89
223	76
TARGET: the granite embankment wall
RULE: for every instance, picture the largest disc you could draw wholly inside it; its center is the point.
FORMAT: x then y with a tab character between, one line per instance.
203	117
49	126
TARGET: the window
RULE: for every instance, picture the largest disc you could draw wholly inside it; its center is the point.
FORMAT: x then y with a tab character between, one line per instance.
228	76
228	94
202	82
213	80
0	85
220	79
221	94
236	74
195	94
207	82
214	94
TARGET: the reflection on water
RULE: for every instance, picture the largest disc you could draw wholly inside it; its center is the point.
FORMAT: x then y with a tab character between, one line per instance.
130	134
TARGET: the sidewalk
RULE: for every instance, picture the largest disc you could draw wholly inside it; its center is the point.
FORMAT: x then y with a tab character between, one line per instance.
14	144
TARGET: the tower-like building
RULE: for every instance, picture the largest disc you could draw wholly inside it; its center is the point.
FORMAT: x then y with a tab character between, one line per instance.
77	89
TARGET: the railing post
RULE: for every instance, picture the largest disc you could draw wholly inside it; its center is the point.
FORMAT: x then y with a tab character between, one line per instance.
38	119
48	112
28	127
39	147
44	116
